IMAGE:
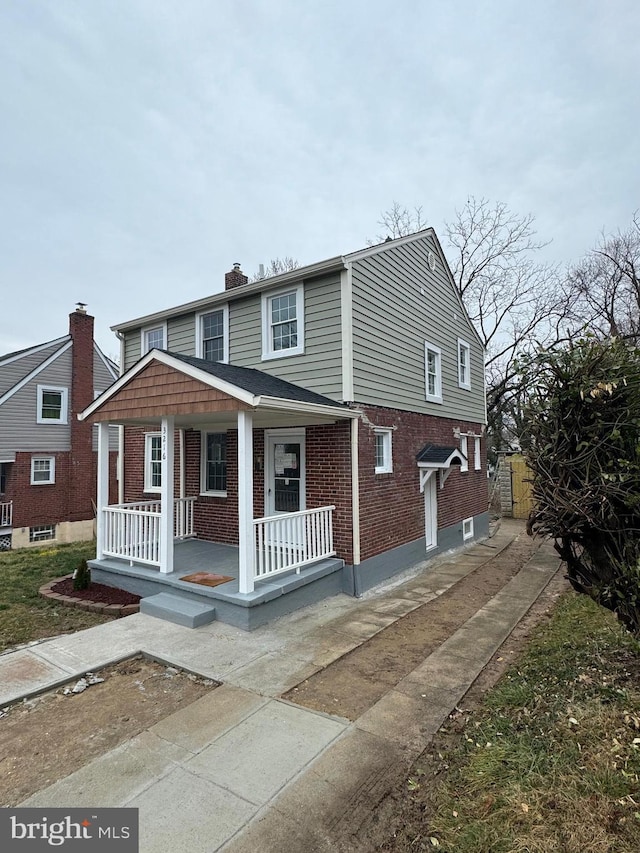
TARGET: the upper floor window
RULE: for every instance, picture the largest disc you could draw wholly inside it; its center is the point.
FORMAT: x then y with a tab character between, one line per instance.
52	405
464	369
153	337
283	323
433	372
384	462
213	335
152	462
214	463
43	470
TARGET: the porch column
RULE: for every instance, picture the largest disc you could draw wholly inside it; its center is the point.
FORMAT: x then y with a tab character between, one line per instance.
166	495
102	496
246	539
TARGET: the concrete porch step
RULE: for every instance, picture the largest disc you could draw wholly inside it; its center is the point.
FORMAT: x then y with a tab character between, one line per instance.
178	609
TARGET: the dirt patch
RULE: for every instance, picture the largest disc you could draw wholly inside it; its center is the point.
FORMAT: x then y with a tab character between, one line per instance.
399	820
354	683
47	738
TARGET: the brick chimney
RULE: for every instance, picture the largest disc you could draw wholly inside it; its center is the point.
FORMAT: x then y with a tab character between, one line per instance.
235	278
82	471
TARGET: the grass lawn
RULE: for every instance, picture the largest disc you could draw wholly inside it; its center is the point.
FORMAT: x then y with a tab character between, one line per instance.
551	761
24	615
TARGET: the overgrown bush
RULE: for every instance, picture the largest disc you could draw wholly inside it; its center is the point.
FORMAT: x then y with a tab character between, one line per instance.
582	442
82	576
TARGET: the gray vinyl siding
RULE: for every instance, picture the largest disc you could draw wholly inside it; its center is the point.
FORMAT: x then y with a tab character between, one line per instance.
398	304
102	379
18	415
132	348
181	332
319	367
15	371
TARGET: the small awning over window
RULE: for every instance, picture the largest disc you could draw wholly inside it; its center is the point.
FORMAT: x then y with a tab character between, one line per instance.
436	457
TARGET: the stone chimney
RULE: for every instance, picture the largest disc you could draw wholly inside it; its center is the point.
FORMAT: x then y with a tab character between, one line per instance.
82	483
235	278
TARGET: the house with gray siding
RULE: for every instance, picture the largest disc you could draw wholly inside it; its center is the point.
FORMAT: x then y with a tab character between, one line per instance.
47	456
297	436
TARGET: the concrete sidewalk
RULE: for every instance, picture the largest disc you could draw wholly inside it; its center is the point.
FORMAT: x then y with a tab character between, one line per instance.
243	770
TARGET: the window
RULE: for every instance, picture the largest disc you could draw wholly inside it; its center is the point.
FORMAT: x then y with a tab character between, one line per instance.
433	373
52	405
467	529
384	464
464	449
213	478
464	370
213	335
3	478
152	462
43	470
477	459
41	533
153	338
283	323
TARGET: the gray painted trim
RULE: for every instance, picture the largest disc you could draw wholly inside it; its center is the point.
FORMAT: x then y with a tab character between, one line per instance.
375	570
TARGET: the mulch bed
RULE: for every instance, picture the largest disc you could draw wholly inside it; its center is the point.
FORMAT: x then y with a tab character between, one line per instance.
95	592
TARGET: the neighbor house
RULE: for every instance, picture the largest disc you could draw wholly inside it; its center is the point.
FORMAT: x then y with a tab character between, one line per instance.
47	455
323	427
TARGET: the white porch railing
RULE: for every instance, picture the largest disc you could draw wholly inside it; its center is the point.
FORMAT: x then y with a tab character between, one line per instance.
6	514
132	530
290	541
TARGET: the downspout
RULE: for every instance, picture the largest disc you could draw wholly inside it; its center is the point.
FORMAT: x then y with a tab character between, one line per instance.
120	465
355	492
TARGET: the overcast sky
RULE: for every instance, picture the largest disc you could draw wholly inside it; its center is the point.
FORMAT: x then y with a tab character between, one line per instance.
146	145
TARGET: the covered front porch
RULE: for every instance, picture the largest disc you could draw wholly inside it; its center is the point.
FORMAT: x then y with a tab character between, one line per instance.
147	545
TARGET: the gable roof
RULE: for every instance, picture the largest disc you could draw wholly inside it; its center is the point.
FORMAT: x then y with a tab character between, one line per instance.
439	456
335	264
23	353
66	343
247	385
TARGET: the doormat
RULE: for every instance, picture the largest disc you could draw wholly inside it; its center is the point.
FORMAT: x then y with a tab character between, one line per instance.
206	578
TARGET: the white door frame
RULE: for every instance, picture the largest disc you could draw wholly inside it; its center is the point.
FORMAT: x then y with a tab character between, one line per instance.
431	512
278	436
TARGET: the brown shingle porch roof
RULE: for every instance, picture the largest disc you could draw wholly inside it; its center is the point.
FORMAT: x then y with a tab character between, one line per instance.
257	382
165	384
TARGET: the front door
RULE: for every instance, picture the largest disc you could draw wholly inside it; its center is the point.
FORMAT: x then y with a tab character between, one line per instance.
285	472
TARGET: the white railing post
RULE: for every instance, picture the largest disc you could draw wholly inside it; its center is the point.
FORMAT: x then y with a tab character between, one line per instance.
102	496
166	495
246	535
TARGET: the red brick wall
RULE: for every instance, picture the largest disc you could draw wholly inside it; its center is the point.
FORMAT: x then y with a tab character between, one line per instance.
82	470
391	505
35	506
329	479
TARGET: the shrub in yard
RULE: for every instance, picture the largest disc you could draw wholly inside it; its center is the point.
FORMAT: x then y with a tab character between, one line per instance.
82	576
581	437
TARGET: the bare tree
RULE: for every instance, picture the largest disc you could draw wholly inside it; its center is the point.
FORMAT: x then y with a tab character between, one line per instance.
276	266
399	221
604	288
514	302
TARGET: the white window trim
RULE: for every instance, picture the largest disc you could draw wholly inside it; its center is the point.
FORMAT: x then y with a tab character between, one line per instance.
64	409
203	462
464	449
52	470
437	397
147	462
477	459
462	344
267	351
468	534
150	328
387	467
225	332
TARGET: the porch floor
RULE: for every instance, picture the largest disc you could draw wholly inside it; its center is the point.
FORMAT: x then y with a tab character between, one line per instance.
199	555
